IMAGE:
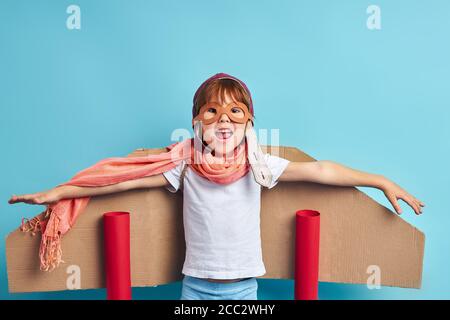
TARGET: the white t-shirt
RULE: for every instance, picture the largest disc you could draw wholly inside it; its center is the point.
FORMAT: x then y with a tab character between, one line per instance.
222	222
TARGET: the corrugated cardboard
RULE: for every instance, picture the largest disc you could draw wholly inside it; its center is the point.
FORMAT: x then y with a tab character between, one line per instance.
356	232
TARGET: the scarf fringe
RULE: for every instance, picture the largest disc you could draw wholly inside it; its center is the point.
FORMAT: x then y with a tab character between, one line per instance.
33	225
50	251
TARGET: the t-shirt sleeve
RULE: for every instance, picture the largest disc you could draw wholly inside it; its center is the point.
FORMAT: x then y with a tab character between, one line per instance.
174	177
276	166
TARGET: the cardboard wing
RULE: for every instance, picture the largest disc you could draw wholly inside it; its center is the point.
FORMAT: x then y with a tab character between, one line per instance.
357	235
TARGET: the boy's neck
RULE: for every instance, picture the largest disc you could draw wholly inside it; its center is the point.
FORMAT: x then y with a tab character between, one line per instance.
229	155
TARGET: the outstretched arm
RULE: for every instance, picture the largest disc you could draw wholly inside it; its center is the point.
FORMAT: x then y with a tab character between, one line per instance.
332	173
68	192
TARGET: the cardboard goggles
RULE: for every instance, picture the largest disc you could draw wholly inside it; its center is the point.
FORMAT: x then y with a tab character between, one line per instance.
212	111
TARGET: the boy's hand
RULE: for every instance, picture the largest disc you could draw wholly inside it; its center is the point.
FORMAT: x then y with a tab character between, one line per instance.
393	192
43	198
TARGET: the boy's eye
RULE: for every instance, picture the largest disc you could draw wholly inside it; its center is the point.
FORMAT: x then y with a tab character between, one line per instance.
238	112
209	113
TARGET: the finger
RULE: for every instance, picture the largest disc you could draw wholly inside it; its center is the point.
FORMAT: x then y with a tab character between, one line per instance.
32	199
18	198
410	202
27	198
395	204
416	207
419	206
12	199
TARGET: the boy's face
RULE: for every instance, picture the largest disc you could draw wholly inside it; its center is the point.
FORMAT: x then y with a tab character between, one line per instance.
224	135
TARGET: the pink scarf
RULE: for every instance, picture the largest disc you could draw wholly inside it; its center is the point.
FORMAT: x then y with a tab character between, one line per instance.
61	216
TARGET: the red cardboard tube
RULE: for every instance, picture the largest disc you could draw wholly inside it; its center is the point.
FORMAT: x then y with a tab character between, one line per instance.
117	255
307	254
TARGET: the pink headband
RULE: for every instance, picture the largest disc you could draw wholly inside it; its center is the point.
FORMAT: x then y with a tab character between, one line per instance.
222	76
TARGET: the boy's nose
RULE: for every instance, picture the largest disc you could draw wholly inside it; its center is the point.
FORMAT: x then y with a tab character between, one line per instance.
224	117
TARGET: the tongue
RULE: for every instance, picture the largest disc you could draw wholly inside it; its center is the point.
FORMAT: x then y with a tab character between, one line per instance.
225	135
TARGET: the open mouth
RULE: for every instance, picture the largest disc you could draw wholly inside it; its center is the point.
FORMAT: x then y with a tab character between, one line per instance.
223	134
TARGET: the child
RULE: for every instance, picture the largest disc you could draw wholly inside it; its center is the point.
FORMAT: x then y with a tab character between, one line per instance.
221	197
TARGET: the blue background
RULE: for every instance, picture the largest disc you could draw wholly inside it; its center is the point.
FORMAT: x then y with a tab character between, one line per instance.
374	100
